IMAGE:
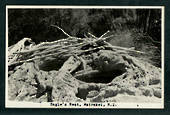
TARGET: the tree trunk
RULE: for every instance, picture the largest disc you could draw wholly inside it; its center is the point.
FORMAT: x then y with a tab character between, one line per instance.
147	22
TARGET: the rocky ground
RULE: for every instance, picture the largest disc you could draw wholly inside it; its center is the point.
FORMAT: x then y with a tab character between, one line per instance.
105	75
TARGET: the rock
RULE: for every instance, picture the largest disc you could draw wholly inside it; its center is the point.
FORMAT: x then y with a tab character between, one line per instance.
98	98
110	92
92	94
146	91
154	81
157	93
120	76
108	61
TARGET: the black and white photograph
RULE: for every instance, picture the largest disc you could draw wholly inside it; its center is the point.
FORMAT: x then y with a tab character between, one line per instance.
84	56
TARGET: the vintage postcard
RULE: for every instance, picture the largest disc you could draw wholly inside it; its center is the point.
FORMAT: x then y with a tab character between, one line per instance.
84	56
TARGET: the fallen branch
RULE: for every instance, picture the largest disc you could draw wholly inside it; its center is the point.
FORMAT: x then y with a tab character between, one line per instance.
82	71
84	63
86	74
61	30
80	52
35	49
122	48
104	34
92	35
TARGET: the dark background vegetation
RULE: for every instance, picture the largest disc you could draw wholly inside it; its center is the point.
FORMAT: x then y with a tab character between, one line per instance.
138	28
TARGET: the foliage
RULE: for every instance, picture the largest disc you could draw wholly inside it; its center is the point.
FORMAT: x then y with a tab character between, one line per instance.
35	24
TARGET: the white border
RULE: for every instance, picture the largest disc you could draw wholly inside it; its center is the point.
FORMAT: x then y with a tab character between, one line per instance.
82	7
13	104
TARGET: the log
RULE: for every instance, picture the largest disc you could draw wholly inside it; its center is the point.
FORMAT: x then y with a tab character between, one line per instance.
71	64
32	59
